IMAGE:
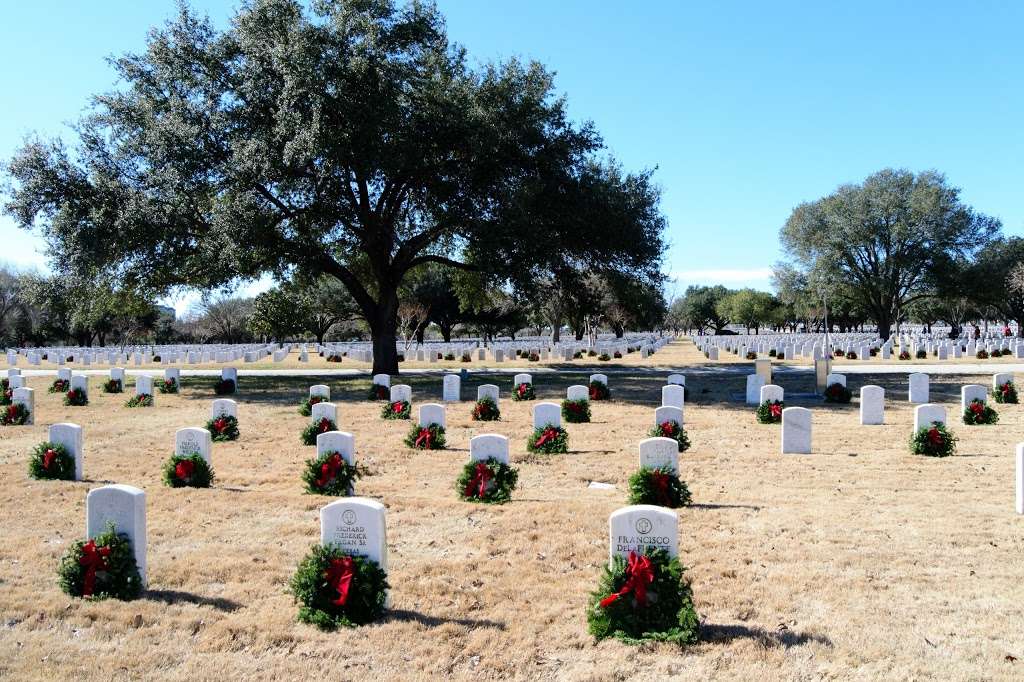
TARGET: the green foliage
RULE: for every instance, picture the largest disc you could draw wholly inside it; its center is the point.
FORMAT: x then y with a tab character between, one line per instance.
549	440
311	587
400	409
837	393
59	386
223	428
1006	392
302	304
770	412
51	461
314	429
306	406
748	307
224	387
659	486
187	470
169	385
668	616
982	354
118	575
14	414
980	413
600	391
933	441
670	429
76	397
496	480
140	400
429	437
576	411
486	410
379	392
523	391
330	474
113	386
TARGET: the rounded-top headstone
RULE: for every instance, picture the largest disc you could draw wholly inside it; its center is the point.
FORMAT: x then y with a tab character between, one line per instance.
342	442
382	380
193	440
547	414
928	414
324	410
872	405
487	391
667	413
601	378
321	391
488	445
970	393
124	506
835	378
357	526
522	379
673	395
659	453
70	436
771	392
224	407
796	431
676	379
432	413
640	526
577	393
401	392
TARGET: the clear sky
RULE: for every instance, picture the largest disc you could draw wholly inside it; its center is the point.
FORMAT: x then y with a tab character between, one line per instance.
745	108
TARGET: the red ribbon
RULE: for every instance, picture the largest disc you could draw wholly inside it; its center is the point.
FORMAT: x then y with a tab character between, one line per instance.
521	389
329	470
639	574
1005	388
397	407
482	475
219	424
92	558
324	425
593	392
661	481
775	410
668	429
339	576
423	438
48	458
549	434
12	411
977	408
934	436
184	469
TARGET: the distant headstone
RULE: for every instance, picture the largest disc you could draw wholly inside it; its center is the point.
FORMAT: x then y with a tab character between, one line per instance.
970	393
452	390
401	392
754	384
577	392
144	385
488	391
918	388
382	380
602	378
673	395
522	379
224	407
27	397
320	391
676	379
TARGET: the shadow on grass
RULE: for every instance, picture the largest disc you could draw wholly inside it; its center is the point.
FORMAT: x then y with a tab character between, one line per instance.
179	597
714	633
404	615
750	507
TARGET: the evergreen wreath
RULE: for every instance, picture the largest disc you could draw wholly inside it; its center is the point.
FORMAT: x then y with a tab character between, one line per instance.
933	441
523	391
851	355
770	412
921	354
1006	392
981	354
904	355
314	429
330	474
15	414
576	411
548	439
429	437
100	568
660	486
336	589
140	400
837	393
59	386
400	409
978	413
223	428
644	598
751	355
486	410
169	385
6	392
76	397
603	357
51	461
599	391
225	387
306	406
379	392
189	470
113	386
670	429
488	481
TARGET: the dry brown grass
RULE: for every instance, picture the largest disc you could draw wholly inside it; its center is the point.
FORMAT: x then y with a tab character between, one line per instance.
858	562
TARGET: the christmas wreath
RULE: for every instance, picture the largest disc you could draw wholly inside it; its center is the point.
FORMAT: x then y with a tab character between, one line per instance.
429	437
659	486
982	354
933	441
837	393
643	598
780	355
1006	392
330	474
904	355
112	386
169	385
980	413
603	357
670	429
51	461
578	355
15	414
101	567
489	481
223	428
466	358
76	397
59	386
751	355
523	391
224	387
486	410
549	440
338	589
379	392
921	354
139	400
599	391
5	392
314	429
576	411
400	409
770	412
189	470
617	355
306	406
839	352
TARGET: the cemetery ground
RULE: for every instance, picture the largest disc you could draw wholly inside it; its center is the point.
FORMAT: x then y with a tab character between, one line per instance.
860	561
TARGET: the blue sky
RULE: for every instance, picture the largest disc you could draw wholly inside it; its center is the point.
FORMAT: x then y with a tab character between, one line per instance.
745	108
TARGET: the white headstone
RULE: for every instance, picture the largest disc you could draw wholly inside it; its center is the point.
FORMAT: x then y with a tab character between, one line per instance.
70	436
673	395
452	388
522	379
224	407
599	377
27	397
193	440
545	414
320	390
382	380
667	413
80	382
772	393
918	392
487	391
229	373
676	379
125	507
577	393
970	393
639	526
64	374
488	445
659	453
796	431
117	374
357	526
143	385
401	392
1000	379
15	381
432	413
872	405
835	378
342	442
754	384
324	410
926	415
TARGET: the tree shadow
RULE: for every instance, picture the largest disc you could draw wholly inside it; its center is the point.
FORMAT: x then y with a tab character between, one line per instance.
405	615
720	632
179	597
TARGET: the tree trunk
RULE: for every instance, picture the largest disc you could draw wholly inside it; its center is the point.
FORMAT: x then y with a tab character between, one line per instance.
421	331
446	331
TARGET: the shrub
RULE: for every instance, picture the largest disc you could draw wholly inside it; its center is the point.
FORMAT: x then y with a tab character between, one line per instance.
314	429
59	386
838	352
429	437
157	358
330	474
599	391
400	409
837	393
306	406
14	414
549	440
139	400
168	385
533	357
523	391
933	441
578	355
224	387
76	397
334	357
113	386
781	355
591	353
223	428
576	411
337	589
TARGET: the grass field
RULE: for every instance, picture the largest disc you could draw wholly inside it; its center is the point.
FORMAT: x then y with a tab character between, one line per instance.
860	561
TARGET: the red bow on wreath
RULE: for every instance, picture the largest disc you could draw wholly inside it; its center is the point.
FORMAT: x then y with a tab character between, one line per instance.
324	425
639	574
184	469
593	392
397	407
220	423
1005	388
977	408
423	438
775	410
668	429
549	434
92	558
48	458
660	481
339	576
12	411
521	389
934	436
482	475
329	470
